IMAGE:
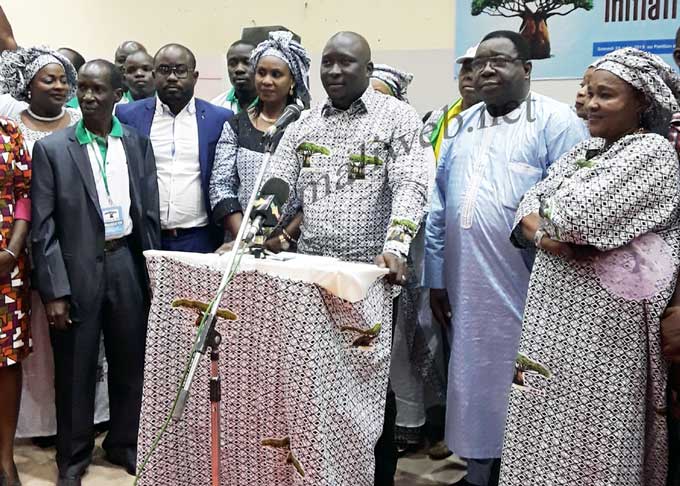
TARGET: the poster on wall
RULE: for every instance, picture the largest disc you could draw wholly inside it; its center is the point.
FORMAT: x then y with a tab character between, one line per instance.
566	36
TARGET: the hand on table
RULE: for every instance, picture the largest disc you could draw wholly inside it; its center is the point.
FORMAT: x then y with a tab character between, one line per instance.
225	247
273	245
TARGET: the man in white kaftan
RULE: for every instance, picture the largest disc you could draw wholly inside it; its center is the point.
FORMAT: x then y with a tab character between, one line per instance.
495	152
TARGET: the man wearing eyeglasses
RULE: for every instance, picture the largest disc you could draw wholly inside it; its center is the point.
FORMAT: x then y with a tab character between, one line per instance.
478	279
183	131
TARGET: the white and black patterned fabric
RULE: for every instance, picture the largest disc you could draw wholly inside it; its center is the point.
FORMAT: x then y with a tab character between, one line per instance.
281	44
398	81
361	176
588	402
238	158
288	371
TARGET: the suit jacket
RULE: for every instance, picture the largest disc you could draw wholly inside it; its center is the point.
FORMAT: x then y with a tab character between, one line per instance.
210	120
67	234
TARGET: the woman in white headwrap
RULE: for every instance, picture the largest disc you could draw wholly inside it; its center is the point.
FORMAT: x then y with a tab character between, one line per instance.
281	68
588	405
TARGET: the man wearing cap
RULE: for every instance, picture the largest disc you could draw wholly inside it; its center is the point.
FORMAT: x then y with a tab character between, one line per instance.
478	281
440	121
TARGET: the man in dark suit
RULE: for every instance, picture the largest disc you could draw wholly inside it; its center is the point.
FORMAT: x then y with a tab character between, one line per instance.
95	210
184	132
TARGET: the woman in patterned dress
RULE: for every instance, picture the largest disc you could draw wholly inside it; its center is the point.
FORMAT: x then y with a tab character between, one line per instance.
588	401
281	68
15	334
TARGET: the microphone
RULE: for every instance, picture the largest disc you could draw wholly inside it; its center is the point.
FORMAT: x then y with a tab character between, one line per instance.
265	213
290	114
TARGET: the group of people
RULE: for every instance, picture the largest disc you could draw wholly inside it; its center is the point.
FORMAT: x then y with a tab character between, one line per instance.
536	244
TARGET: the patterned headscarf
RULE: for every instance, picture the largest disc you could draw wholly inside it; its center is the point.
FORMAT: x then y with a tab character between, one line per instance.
649	74
396	80
18	68
282	45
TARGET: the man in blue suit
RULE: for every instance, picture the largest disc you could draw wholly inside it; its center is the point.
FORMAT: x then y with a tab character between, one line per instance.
184	131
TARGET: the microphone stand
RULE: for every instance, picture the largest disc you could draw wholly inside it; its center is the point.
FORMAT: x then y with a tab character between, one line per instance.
208	336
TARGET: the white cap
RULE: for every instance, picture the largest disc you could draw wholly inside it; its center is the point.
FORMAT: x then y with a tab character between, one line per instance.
469	54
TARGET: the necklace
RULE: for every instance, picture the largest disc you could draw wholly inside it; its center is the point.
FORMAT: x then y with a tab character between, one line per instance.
46	118
268	120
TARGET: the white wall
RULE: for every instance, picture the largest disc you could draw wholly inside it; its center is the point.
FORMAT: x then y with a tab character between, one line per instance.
414	35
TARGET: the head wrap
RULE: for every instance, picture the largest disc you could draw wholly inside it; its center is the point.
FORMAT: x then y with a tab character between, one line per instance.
18	68
396	80
281	44
649	74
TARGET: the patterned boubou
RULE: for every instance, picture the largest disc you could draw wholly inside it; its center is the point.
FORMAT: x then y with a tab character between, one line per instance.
361	177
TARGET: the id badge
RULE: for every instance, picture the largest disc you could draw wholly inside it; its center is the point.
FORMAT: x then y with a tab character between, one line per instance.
114	226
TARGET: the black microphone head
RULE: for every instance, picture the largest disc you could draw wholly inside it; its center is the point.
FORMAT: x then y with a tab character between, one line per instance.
276	187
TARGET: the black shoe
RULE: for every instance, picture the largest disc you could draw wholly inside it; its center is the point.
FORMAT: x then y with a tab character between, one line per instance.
125	458
69	481
102	427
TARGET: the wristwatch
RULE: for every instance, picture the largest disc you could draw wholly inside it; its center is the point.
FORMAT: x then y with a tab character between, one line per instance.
285	245
538	236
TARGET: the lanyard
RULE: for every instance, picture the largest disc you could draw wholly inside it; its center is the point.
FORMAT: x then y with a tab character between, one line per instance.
102	166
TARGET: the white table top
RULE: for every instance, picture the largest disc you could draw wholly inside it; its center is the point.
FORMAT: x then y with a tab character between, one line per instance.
348	280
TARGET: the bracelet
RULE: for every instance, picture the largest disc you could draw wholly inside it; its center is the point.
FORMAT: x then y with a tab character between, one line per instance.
287	236
7	250
538	236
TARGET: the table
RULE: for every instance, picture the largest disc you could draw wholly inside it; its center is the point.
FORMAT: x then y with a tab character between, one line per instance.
302	404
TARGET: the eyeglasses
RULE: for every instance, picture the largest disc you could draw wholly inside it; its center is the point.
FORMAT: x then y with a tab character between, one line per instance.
181	70
496	62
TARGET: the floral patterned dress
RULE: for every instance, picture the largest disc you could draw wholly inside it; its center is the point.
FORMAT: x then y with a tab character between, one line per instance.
588	402
15	176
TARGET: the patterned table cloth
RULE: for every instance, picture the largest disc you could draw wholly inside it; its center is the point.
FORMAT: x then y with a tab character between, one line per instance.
296	375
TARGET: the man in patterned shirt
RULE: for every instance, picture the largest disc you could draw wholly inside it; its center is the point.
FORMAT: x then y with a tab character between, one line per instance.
359	173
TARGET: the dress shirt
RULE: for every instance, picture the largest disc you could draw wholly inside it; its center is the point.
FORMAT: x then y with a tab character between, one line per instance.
109	155
175	145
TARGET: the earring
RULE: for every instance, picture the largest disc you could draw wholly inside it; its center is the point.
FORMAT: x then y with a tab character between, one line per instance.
29	95
292	90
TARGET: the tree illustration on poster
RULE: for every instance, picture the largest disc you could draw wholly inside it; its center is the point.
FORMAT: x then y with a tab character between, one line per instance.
534	15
